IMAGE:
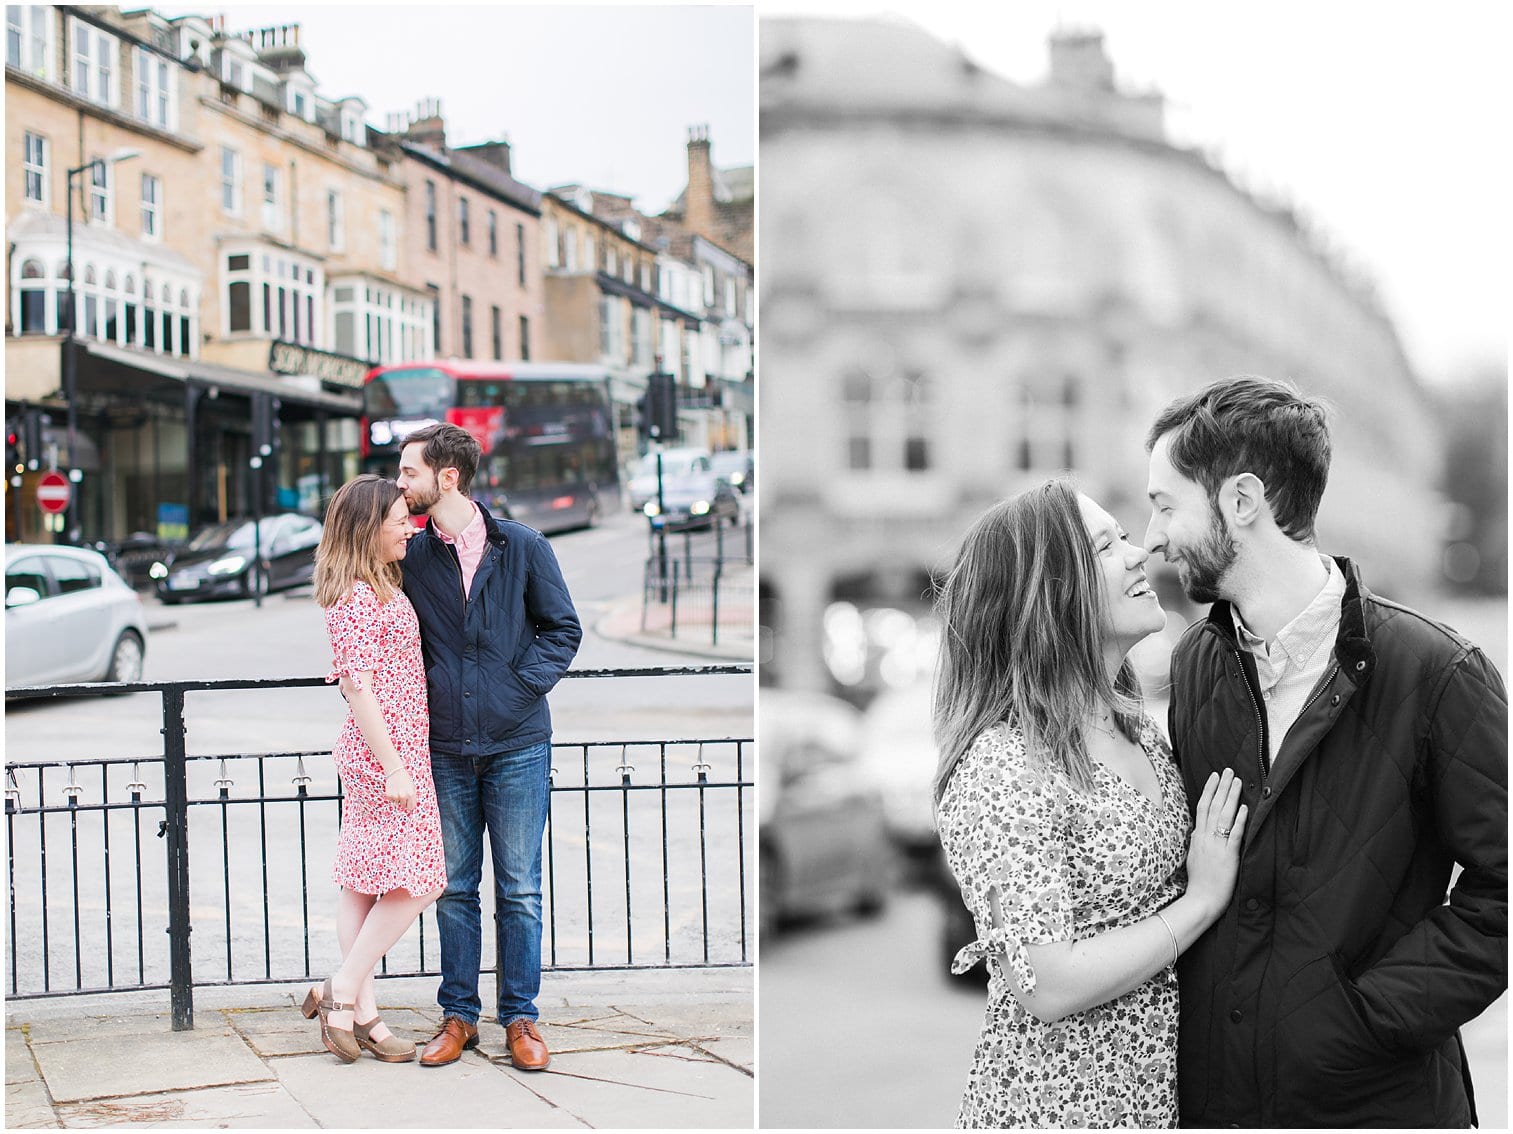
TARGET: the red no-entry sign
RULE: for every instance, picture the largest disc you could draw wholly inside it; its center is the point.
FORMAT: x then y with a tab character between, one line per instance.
53	491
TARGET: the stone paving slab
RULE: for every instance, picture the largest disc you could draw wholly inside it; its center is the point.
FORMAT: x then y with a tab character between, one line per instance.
113	1065
53	1029
19	1067
369	1094
670	1087
249	1106
26	1103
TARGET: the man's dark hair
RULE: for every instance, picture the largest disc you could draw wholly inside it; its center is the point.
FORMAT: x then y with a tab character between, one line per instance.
448	447
1257	425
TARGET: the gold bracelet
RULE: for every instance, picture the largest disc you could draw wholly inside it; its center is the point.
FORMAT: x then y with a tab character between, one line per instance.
1176	950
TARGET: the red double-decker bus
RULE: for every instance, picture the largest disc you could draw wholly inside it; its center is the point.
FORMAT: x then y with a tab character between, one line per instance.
547	431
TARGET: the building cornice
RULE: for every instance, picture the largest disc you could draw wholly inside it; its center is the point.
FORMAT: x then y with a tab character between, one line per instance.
435	161
261	125
69	99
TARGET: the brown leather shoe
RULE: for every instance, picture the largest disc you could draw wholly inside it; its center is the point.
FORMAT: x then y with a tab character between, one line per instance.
447	1045
527	1048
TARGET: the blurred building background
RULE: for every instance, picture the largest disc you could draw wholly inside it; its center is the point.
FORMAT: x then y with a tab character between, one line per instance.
970	284
245	246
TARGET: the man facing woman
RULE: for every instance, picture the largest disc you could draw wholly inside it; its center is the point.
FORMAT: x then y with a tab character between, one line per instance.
1325	973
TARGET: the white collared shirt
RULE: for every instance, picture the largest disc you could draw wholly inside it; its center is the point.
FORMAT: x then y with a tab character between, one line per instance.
1290	666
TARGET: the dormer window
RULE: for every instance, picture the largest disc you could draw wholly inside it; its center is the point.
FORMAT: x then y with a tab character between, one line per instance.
352	125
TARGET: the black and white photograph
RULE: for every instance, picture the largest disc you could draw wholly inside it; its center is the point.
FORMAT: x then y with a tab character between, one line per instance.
380	530
1132	389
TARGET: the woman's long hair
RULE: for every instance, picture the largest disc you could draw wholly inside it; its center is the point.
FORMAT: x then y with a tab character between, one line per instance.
349	543
1021	618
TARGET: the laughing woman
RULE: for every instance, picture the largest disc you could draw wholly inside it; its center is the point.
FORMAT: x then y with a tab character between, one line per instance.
1064	820
389	860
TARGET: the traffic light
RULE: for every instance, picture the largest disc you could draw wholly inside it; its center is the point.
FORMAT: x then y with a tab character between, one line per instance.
662	404
31	437
12	446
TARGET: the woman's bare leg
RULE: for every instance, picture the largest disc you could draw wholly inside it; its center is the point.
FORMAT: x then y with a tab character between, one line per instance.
385	923
352	908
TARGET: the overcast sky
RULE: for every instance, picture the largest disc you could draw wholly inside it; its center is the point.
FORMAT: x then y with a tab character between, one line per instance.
1388	124
602	96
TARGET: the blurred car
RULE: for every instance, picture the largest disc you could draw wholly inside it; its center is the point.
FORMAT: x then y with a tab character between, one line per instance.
735	466
133	557
69	617
224	559
642	484
823	845
693	500
899	759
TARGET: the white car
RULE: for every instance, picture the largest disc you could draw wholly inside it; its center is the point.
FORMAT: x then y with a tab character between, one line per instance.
69	618
675	463
899	759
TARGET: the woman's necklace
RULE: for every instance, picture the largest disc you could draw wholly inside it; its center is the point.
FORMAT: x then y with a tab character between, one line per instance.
1105	725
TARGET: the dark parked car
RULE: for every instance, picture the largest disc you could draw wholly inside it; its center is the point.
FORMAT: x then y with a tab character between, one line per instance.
222	560
695	500
134	556
824	845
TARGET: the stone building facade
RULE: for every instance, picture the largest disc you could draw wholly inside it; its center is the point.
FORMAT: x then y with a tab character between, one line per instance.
472	239
231	228
970	285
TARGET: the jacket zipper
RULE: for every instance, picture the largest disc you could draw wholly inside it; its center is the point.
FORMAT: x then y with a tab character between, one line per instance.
461	584
1323	685
1260	720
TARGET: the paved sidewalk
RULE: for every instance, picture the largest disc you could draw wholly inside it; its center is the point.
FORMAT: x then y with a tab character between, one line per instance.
651	1048
622	622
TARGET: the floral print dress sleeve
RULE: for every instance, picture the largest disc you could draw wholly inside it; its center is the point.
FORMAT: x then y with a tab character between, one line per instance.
1009	856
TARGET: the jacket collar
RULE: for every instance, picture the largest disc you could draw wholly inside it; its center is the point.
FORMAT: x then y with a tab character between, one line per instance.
492	527
1352	645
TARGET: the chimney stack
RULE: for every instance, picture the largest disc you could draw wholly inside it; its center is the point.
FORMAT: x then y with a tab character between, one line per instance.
429	127
698	198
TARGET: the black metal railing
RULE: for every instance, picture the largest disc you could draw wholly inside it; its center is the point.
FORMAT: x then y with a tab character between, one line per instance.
699	586
662	826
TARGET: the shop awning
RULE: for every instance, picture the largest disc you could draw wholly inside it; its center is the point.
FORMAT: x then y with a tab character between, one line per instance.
109	369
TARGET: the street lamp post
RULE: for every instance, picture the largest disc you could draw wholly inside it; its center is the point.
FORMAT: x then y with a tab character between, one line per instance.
70	377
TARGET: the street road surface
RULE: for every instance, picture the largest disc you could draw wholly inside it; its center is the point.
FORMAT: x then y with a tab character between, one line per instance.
861	1026
286	638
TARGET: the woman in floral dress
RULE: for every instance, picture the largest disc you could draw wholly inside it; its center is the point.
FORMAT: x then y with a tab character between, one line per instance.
1065	823
389	859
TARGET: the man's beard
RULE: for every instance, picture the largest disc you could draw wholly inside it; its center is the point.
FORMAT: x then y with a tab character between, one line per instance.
419	503
1202	567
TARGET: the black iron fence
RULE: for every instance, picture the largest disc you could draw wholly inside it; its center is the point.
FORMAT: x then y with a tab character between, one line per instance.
696	584
645	858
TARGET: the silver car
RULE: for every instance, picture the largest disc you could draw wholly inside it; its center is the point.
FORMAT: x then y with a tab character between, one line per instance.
68	618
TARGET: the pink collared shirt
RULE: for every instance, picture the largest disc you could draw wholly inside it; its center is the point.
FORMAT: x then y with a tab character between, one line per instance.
469	543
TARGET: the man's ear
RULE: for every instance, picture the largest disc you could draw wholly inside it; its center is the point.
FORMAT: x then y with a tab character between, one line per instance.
447	478
1243	499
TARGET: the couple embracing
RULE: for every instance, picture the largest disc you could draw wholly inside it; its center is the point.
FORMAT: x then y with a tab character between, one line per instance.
446	643
1247	926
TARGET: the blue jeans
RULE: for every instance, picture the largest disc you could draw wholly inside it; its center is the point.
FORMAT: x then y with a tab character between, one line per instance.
506	795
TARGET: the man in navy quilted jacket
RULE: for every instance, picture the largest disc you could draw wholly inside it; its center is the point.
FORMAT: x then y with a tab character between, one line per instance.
1372	744
499	630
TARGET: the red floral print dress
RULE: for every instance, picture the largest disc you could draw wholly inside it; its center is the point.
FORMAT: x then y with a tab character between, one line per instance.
380	847
1065	865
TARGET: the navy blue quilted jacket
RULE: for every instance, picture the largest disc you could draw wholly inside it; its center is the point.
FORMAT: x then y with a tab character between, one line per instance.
493	655
1332	990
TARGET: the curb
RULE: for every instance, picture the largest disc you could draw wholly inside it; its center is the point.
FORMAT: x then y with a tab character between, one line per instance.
621	622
